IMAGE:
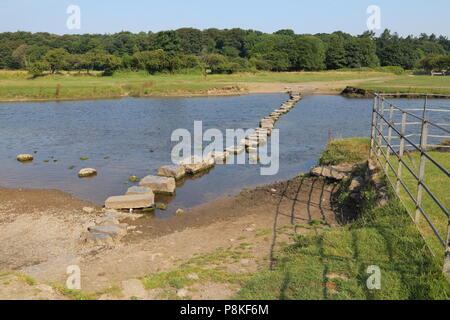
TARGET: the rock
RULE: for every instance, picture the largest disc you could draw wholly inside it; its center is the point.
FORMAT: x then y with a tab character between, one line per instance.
172	171
120	216
88	209
356	184
356	92
105	221
219	157
130	201
161	206
24	157
252	150
339	172
133	179
114	230
266	122
87	172
97	239
182	293
136	190
196	164
159	185
134	289
372	165
179	212
235	149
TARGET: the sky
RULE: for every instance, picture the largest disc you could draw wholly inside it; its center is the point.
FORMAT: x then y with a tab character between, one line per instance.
303	16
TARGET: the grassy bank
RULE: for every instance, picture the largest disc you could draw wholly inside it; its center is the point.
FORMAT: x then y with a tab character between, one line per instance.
18	85
409	84
333	264
438	184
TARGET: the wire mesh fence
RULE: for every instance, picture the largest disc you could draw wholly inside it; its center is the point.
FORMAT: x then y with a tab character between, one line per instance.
412	145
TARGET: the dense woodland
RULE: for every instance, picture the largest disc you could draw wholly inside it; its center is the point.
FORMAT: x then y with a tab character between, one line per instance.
219	51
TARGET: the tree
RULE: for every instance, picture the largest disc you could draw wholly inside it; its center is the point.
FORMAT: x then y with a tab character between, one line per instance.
153	61
436	62
191	40
335	54
307	53
399	54
277	61
285	32
21	55
37	69
57	59
169	41
217	63
360	52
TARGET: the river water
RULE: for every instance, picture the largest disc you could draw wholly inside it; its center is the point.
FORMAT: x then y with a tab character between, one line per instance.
117	136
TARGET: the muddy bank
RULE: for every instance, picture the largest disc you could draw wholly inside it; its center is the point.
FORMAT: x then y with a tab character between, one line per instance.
40	232
352	92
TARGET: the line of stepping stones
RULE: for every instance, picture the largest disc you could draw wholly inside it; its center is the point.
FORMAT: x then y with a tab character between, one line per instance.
109	228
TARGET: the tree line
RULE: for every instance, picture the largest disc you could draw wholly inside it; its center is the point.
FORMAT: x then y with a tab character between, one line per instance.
219	51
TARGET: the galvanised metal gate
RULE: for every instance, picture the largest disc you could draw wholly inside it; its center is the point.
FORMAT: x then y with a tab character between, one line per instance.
407	142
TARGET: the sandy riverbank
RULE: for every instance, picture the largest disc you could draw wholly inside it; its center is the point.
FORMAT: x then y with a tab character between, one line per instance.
40	232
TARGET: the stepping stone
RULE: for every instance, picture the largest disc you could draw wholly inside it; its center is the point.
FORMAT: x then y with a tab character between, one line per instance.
219	156
120	216
197	164
252	150
105	221
114	230
159	185
98	239
172	171
24	157
139	190
87	172
131	201
235	149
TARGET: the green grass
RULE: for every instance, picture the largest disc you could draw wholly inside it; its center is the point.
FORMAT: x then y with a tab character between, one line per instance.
334	263
208	268
410	84
352	150
17	85
439	185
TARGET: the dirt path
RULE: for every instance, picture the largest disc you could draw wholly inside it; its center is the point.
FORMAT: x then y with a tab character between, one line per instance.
318	87
40	232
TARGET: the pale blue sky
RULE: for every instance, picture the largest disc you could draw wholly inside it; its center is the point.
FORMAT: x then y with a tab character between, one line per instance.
303	16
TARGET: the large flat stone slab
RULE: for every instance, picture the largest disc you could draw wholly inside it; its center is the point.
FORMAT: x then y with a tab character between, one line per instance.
172	171
114	231
130	201
159	185
338	172
219	156
138	190
235	149
197	164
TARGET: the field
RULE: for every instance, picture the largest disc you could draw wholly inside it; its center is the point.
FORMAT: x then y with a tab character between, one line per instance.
18	86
